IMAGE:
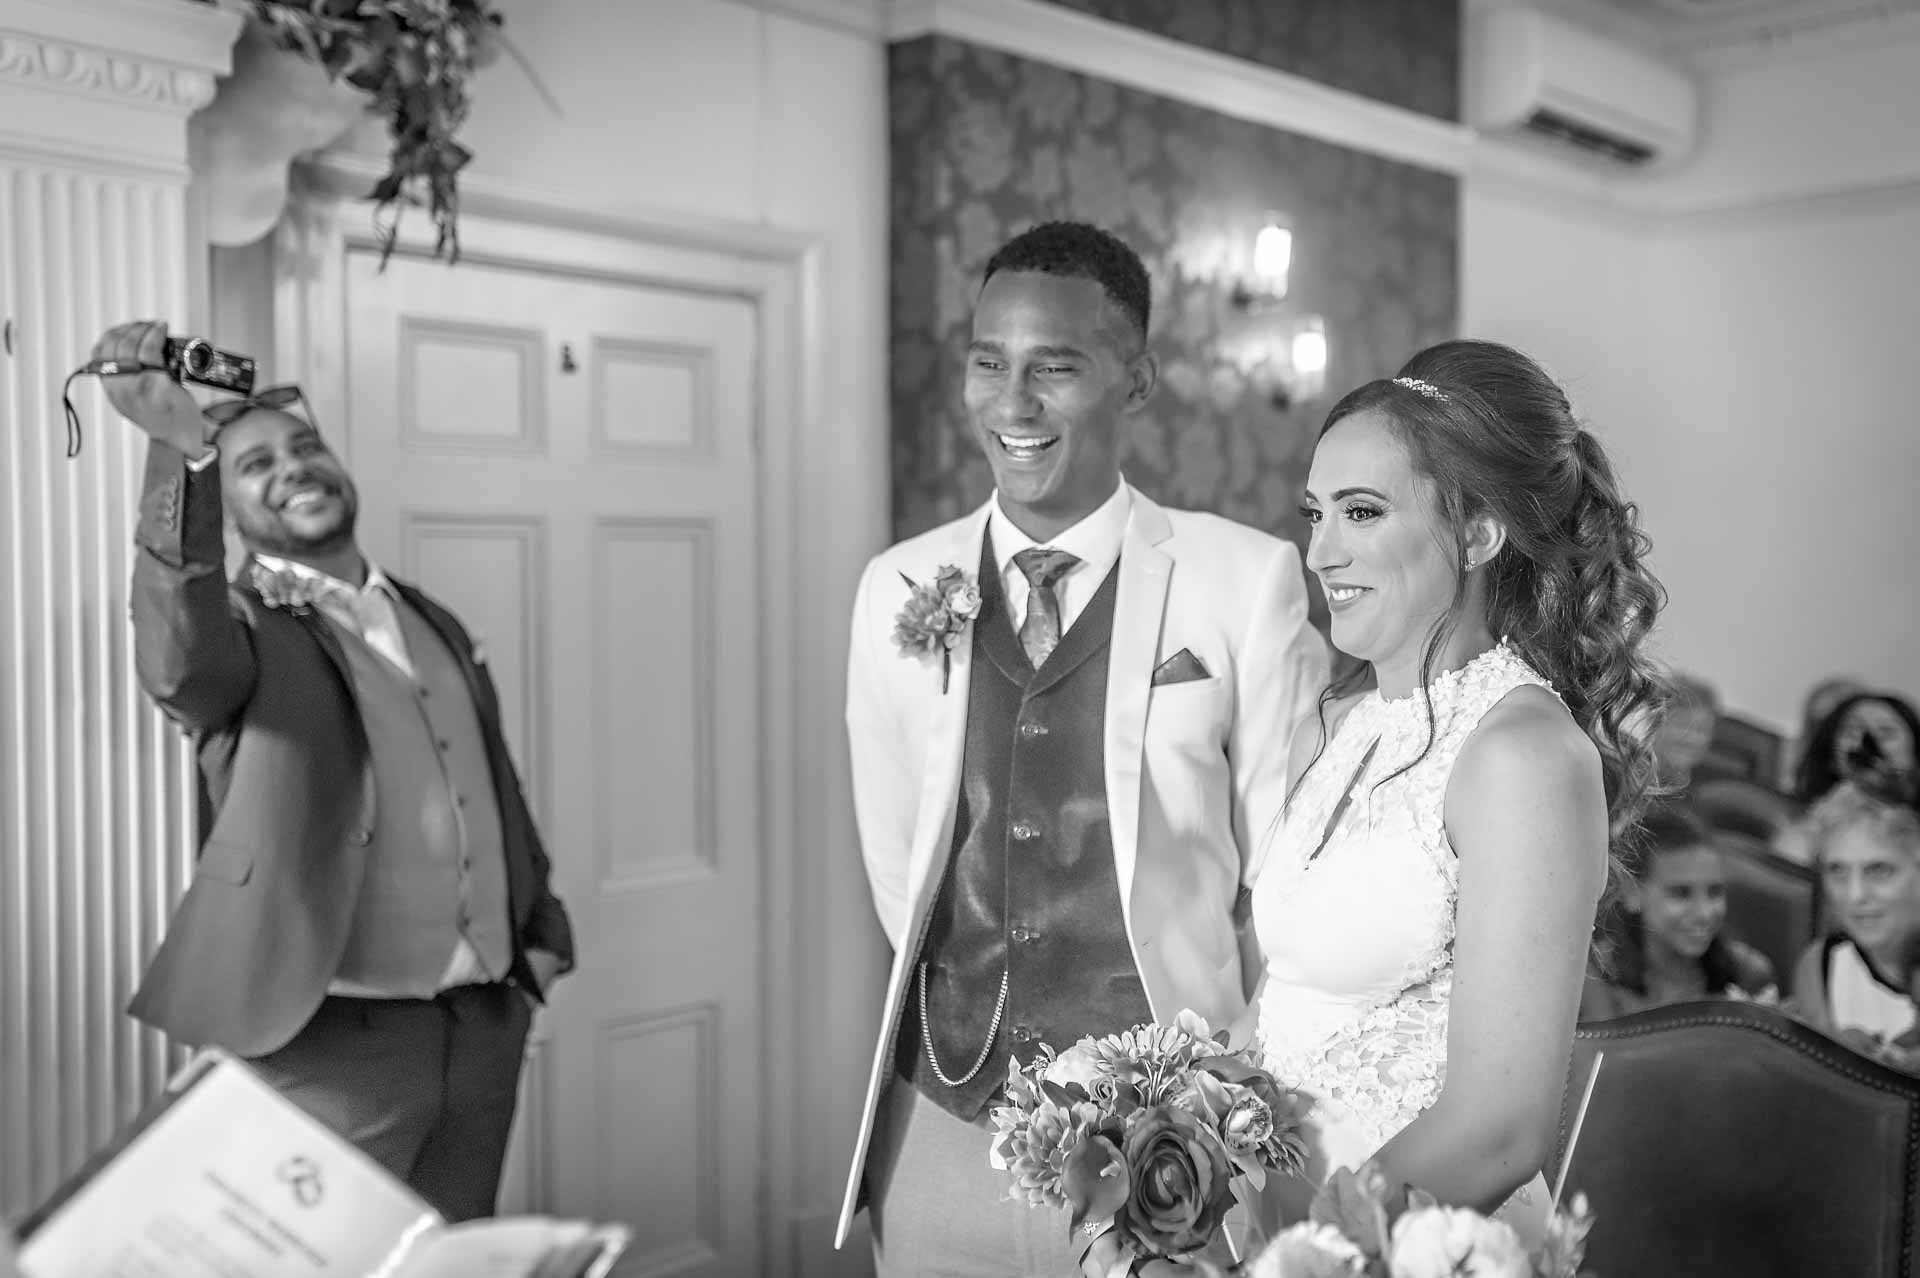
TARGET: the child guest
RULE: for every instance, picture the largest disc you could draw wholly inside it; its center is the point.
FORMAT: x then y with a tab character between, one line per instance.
1667	936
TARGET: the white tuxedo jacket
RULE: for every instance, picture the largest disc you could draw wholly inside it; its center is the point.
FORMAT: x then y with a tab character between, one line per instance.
1195	771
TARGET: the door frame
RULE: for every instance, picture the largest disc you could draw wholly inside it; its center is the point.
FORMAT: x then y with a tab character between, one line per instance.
777	271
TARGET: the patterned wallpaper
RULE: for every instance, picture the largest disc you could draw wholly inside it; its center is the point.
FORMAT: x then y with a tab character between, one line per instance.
985	144
1406	52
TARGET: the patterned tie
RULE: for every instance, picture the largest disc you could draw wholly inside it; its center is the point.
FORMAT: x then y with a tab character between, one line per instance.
1040	632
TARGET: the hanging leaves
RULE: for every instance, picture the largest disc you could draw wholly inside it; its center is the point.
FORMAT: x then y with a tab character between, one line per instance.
415	58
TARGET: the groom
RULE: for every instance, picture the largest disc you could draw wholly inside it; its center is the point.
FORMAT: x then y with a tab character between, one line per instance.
1058	811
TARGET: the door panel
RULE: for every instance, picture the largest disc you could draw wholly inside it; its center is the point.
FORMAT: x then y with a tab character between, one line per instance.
570	464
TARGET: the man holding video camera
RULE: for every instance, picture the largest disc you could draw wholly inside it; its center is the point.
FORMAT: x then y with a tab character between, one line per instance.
369	920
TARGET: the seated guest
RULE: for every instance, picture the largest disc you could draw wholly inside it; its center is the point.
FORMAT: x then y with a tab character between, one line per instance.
1856	984
1685	731
1666	936
1866	732
1870	737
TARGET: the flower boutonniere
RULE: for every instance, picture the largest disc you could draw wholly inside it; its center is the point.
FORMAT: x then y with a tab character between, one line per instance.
284	588
935	616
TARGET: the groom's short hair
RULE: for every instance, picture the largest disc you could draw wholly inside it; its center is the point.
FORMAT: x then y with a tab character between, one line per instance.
1082	250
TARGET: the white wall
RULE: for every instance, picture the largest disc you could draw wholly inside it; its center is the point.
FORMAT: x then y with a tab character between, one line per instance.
1779	472
1743	336
1815	117
721	109
763	114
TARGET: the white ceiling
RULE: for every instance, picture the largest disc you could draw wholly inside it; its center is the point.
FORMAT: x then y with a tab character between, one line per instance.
1701	26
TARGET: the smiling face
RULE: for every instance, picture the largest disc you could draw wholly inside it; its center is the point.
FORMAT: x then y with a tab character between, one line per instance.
286	491
1382	552
1683	900
1873	886
1053	371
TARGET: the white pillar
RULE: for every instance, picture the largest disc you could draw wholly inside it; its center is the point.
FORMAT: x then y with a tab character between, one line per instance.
96	792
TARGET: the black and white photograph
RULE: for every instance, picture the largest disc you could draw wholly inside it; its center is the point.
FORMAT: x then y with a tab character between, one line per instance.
959	639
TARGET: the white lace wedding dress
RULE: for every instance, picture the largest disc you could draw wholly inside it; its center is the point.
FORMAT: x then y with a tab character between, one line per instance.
1358	935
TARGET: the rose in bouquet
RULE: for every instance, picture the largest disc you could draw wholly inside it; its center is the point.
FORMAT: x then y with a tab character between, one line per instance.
1153	1133
1355	1231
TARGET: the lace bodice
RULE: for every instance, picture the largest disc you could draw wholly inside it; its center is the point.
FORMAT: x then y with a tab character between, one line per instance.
1359	938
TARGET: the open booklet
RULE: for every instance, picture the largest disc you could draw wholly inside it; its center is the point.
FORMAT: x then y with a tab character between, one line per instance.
222	1177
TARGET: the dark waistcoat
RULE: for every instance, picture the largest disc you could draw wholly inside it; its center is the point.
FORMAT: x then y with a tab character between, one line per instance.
1030	887
436	868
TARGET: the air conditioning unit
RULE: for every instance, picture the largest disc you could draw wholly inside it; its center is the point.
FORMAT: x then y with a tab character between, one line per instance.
1528	69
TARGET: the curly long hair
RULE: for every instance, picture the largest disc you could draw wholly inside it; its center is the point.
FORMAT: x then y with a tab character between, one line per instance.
1568	590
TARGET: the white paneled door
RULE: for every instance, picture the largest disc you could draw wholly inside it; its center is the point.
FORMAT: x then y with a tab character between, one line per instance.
570	464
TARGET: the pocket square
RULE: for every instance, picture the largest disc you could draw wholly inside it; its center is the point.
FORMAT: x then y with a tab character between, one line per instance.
1181	667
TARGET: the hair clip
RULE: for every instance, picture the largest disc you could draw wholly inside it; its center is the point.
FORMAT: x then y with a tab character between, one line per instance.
1428	389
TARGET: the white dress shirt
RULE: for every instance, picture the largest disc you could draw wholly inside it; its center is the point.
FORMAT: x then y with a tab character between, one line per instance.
1095	541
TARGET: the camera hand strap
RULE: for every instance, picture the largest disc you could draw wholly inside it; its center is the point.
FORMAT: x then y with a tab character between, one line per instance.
98	368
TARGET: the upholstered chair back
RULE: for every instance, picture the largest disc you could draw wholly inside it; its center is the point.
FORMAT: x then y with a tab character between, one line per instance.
1725	1138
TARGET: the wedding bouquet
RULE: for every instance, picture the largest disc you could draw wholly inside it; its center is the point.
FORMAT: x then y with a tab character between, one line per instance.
1353	1233
1151	1133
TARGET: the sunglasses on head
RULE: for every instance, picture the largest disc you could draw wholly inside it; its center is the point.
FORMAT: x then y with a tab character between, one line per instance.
220	414
227	411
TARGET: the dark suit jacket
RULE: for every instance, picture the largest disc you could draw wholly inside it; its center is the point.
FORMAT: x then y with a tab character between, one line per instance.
287	789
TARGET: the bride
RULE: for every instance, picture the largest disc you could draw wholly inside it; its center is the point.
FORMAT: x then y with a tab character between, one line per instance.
1427	897
1426	902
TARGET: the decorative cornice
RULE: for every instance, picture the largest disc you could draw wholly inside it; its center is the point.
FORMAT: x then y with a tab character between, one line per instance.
1232	86
137	54
98	73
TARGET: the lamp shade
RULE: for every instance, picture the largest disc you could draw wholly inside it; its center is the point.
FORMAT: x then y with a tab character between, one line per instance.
1273	255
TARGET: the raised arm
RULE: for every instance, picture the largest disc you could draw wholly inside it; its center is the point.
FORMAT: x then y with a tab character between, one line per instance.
192	654
1527	815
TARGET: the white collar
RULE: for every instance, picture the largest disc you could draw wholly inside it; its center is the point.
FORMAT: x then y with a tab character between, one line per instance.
1094	540
376	579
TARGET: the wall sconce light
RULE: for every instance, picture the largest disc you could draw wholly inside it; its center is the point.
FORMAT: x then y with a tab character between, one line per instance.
1284	359
1272	262
1282	351
1305	375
